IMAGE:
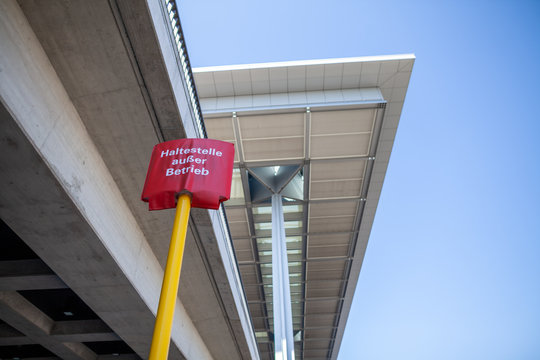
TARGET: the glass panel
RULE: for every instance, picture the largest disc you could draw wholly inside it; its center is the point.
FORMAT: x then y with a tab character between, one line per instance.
266	269
295	269
293	232
264	244
293	224
294	243
265	259
291	209
262	210
262	336
288	225
293	239
259	232
263	226
294	257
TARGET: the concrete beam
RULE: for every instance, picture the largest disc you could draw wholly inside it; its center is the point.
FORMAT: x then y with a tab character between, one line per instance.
82	331
19	313
31	282
28	275
141	42
78	331
12	336
15	340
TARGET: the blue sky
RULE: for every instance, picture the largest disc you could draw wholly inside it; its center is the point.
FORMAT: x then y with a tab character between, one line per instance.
452	270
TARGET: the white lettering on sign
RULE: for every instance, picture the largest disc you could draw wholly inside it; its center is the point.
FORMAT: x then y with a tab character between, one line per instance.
181	151
189	160
189	169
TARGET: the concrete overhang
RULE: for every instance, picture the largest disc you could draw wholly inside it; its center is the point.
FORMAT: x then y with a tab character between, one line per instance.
87	89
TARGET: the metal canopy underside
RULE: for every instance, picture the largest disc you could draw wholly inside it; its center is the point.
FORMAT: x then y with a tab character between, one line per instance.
334	141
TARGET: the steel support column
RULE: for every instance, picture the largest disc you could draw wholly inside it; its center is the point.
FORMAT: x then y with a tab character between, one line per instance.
283	331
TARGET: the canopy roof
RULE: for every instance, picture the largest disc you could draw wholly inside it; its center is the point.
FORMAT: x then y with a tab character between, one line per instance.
320	132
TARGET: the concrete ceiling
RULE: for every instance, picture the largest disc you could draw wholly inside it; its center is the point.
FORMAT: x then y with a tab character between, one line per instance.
97	97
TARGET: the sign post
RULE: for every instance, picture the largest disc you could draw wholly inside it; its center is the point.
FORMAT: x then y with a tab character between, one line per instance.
169	289
183	174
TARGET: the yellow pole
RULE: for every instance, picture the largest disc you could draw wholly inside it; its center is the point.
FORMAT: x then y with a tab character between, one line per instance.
167	300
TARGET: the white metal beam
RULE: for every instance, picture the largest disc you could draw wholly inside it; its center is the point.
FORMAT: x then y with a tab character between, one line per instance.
283	332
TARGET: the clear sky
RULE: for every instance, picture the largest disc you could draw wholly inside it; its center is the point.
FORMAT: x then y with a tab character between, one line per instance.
452	269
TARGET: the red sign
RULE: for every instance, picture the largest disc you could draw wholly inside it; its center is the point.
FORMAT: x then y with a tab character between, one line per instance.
202	167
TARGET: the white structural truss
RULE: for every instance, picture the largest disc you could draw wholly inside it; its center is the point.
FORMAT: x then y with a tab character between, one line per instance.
283	331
